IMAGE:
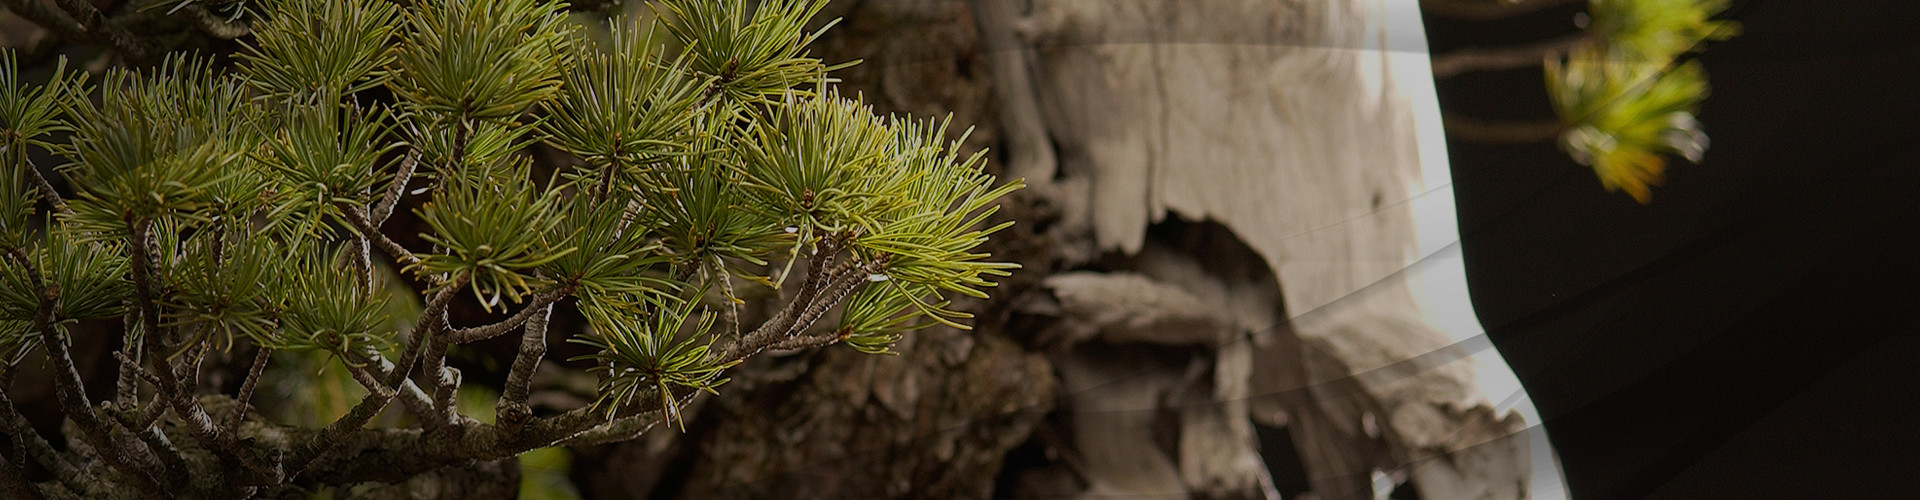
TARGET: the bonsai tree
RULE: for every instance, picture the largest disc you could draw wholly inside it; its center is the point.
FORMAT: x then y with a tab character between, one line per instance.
243	205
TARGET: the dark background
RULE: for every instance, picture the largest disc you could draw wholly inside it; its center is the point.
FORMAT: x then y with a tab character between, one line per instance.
1752	332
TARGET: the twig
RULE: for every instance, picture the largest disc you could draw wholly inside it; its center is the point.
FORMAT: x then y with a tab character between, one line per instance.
511	411
241	402
127	386
1471	130
393	250
819	270
68	388
62	26
535	307
46	189
214	25
180	398
37	446
808	341
1485	10
156	442
371	364
430	321
1533	54
96	23
446	386
391	198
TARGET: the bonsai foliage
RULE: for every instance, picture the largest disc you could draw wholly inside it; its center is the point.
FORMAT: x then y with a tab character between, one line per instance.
1629	100
247	207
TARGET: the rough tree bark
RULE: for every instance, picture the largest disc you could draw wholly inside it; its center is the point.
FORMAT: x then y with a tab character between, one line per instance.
1213	244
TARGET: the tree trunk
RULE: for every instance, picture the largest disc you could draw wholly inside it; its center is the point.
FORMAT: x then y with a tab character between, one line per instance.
1135	353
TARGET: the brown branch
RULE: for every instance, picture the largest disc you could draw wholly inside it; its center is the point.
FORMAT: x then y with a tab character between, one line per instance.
141	427
1471	130
537	306
511	411
820	269
393	250
14	477
242	402
395	189
370	364
63	27
809	341
179	397
430	320
69	389
37	446
1454	63
96	24
446	386
213	25
1487	10
127	386
46	189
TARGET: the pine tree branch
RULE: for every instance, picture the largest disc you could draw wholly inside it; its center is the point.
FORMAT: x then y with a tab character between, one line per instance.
445	418
71	392
1454	63
511	411
127	386
34	11
136	423
14	477
23	435
534	307
96	24
395	189
1487	10
46	189
242	402
358	220
820	271
431	320
1471	130
212	24
809	341
180	398
370	364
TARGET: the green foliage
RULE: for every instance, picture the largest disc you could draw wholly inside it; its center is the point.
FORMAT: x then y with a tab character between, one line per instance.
614	253
700	210
481	59
468	218
1659	29
930	240
324	154
155	145
1631	114
89	276
253	191
628	106
878	316
649	344
817	164
1624	102
754	55
307	50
